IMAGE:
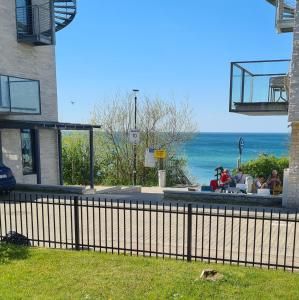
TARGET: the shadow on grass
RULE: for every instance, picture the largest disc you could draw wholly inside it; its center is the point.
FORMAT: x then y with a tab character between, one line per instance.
9	252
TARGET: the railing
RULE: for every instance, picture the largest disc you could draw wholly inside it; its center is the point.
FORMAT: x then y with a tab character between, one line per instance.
35	24
19	95
259	82
285	15
243	236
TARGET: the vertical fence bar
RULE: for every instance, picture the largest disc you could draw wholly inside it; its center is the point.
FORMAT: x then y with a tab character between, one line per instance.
210	233
254	237
262	239
217	233
239	236
157	230
224	236
270	239
125	247
100	224
278	238
54	221
286	242
163	229
131	234
177	231
202	231
87	222
37	219
232	236
246	237
294	242
65	221
118	242
143	227
189	233
76	223
43	218
93	225
59	223
150	228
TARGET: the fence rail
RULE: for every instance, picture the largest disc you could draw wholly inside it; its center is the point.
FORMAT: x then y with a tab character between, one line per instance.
243	236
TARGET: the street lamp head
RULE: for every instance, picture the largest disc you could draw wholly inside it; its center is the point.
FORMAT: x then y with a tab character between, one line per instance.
135	91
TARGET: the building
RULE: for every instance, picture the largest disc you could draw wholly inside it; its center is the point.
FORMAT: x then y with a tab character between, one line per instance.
30	133
272	88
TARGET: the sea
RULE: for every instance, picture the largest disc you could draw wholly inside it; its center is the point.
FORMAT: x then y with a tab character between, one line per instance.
206	151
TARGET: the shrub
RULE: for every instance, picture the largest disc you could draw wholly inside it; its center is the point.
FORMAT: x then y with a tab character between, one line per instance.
264	165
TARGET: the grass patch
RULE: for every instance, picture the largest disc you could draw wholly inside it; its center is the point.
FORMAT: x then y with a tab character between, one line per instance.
59	274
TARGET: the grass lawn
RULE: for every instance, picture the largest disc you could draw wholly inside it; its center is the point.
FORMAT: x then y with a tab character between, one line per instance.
59	274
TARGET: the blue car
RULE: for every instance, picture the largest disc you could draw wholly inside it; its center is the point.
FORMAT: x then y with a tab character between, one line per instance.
7	180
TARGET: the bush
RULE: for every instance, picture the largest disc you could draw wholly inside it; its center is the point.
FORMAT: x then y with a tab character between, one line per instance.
264	165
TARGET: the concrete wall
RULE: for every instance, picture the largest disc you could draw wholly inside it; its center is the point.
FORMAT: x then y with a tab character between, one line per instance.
38	63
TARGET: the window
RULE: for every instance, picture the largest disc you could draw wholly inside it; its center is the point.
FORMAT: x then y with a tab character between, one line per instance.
19	95
24	16
28	151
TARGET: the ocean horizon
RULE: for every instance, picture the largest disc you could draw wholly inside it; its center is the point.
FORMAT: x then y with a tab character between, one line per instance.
208	150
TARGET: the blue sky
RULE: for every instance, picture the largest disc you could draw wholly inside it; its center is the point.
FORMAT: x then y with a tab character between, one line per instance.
173	49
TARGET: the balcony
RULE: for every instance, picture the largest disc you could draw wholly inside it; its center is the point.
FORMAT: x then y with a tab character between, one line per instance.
259	88
35	24
19	96
285	14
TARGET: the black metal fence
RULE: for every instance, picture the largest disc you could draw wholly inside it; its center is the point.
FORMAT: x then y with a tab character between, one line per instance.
243	236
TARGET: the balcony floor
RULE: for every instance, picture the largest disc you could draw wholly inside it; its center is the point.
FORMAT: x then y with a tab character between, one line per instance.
261	108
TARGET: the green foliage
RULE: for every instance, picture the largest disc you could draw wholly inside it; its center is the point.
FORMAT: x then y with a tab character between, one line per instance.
264	165
111	167
162	125
10	252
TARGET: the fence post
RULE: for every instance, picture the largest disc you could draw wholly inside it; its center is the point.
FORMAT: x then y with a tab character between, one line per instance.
189	233
76	220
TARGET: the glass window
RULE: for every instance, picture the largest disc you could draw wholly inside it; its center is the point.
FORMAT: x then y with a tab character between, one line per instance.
28	151
4	94
18	95
24	16
24	96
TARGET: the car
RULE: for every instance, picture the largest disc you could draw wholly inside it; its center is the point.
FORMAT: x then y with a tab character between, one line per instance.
7	179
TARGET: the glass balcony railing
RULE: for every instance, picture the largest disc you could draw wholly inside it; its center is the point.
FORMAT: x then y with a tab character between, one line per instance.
19	95
259	87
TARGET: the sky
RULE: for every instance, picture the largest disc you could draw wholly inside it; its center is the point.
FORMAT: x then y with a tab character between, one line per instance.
173	49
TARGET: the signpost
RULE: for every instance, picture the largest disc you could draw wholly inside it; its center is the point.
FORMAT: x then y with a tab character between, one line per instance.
241	148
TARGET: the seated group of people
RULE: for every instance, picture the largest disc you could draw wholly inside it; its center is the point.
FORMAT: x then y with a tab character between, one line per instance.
272	182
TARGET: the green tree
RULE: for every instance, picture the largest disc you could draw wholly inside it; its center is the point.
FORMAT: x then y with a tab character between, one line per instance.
264	165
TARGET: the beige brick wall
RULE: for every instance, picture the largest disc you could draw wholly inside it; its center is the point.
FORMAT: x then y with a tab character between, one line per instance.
38	63
291	197
12	156
291	193
49	157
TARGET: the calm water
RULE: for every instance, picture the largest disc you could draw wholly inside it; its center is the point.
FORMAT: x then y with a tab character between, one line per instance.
209	150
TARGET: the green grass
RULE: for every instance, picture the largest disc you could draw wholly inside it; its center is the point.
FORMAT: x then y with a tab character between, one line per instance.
58	274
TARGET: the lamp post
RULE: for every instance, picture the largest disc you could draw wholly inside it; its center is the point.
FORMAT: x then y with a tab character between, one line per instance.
135	145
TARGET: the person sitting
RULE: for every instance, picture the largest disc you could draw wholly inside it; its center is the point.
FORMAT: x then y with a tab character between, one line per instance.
225	179
239	177
272	182
259	182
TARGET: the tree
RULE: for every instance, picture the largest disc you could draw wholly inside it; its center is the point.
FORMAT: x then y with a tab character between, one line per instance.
264	165
163	125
